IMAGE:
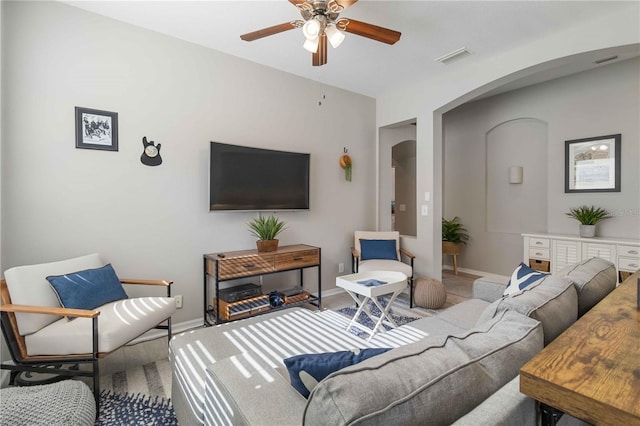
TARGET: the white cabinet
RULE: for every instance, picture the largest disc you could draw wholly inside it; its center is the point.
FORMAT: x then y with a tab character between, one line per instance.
628	259
605	251
562	250
539	248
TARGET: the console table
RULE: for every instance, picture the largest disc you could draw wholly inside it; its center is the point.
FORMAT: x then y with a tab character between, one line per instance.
556	251
592	370
250	263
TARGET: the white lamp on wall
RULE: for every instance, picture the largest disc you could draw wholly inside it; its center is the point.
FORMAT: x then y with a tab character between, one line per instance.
515	174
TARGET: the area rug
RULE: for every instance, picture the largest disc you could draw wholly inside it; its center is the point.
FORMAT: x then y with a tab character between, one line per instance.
151	379
363	319
126	409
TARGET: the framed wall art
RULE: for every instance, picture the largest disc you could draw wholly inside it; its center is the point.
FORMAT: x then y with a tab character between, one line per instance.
592	164
96	129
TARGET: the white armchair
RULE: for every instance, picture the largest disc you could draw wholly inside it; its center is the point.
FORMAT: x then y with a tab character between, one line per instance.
44	336
380	259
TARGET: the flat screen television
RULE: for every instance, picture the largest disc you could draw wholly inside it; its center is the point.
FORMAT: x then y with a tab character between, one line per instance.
251	179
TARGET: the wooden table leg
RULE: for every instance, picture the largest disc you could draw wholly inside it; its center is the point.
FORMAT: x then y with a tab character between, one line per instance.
455	263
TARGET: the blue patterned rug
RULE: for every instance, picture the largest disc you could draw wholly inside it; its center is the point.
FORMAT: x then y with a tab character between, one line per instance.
125	409
363	319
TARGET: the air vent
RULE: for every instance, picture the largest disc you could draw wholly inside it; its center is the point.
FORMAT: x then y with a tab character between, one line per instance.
603	60
452	56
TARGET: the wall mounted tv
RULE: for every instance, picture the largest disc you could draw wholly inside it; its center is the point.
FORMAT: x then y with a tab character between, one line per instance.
250	179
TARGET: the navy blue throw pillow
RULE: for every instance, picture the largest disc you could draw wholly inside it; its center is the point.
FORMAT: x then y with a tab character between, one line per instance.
305	371
378	249
522	277
88	289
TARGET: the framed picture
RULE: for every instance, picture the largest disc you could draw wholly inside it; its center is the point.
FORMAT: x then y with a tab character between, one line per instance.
592	164
96	129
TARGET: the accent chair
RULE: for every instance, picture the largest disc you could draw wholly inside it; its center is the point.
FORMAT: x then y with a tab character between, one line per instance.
75	311
381	251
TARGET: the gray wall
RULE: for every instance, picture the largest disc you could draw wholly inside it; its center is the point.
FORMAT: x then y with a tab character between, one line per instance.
528	127
153	222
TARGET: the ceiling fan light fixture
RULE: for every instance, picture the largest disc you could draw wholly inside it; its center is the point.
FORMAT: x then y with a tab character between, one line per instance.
311	29
311	44
321	24
334	35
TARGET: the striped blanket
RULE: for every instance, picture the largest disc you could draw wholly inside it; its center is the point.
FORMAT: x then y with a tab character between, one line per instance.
269	338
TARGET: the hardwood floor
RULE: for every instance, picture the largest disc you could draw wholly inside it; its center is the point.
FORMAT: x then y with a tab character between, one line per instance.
459	287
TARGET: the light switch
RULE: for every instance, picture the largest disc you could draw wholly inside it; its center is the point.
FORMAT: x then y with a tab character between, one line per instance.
425	210
403	207
427	196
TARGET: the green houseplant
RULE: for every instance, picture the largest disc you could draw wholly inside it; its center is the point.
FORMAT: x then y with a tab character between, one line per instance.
454	235
588	216
266	229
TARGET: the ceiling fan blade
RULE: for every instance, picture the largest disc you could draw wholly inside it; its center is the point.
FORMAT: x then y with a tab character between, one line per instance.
320	57
255	35
296	2
373	32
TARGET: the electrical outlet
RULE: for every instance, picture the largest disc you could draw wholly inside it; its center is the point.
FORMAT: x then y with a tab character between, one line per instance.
340	267
179	301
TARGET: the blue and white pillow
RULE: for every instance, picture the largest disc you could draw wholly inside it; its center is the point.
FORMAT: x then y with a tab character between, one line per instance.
521	278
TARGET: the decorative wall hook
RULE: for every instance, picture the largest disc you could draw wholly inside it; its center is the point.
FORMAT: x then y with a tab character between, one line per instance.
346	164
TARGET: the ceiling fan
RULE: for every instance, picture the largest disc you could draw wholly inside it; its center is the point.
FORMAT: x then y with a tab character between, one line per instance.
321	23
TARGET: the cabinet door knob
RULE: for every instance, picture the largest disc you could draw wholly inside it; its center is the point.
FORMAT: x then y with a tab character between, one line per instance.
633	251
633	265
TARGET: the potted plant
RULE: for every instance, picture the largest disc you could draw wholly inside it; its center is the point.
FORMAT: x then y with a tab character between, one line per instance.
266	229
454	236
588	216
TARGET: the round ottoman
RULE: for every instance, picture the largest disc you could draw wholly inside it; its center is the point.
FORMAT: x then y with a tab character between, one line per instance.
429	293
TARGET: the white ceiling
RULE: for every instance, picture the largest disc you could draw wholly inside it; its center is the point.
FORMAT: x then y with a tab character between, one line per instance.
429	30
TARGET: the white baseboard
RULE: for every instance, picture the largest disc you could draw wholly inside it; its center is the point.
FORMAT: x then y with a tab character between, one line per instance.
331	292
467	271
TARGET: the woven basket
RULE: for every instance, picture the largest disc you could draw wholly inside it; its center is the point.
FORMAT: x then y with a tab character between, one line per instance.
451	248
429	293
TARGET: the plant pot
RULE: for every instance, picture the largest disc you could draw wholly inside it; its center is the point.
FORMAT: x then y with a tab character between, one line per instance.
267	245
587	231
451	248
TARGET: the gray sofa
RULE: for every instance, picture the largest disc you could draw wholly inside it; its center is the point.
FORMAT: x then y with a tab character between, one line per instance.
461	369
